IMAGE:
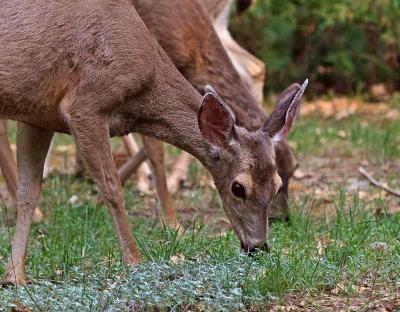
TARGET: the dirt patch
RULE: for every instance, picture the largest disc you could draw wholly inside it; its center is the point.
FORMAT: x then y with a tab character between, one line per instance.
323	180
342	107
367	296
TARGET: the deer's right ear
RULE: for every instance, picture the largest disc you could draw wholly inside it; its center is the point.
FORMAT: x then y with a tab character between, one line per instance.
281	120
216	121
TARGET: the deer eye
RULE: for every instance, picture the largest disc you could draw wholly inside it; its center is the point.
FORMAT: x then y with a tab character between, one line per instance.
238	190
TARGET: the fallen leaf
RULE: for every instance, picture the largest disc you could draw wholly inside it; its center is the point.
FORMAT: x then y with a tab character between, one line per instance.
295	186
323	243
177	258
73	199
379	92
300	174
341	134
338	289
323	195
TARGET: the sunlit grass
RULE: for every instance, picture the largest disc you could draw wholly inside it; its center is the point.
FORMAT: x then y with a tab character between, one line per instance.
74	259
378	141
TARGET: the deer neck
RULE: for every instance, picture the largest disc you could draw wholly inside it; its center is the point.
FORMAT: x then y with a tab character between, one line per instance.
216	68
221	74
169	110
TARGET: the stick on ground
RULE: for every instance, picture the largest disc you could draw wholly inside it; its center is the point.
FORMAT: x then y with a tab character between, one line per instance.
374	182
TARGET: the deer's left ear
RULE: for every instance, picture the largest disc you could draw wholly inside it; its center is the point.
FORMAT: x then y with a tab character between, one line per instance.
280	122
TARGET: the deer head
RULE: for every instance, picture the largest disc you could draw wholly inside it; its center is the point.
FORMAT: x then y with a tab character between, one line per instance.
244	163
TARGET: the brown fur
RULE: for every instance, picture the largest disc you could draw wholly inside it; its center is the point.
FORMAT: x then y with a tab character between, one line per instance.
91	68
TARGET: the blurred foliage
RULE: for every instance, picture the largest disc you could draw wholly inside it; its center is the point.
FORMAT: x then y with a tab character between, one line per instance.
344	46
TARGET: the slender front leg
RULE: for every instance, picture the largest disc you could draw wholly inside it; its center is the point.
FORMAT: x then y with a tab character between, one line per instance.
9	171
155	152
32	146
91	133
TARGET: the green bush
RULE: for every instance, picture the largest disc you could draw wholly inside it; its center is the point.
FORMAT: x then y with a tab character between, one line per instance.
344	45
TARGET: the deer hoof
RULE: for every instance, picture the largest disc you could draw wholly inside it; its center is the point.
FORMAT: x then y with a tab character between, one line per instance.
133	259
14	278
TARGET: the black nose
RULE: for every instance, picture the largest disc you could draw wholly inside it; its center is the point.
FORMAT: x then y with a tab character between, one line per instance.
253	251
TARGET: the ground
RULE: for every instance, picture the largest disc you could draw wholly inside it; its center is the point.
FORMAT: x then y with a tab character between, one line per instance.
340	251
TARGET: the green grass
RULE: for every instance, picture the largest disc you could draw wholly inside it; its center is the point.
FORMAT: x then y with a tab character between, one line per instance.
74	260
379	141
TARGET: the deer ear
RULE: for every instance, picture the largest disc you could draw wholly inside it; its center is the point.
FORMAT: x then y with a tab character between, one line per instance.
216	120
281	120
208	89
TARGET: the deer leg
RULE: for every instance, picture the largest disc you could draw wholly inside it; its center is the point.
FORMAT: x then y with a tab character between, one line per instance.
143	172
179	171
9	170
32	147
92	137
7	163
79	165
155	152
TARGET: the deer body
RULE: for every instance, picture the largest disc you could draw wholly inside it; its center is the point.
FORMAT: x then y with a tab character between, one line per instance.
43	77
92	69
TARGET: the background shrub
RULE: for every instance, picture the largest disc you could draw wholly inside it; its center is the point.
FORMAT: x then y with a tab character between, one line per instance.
344	45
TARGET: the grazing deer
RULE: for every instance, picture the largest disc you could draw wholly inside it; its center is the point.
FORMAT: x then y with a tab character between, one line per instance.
202	59
92	69
153	148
